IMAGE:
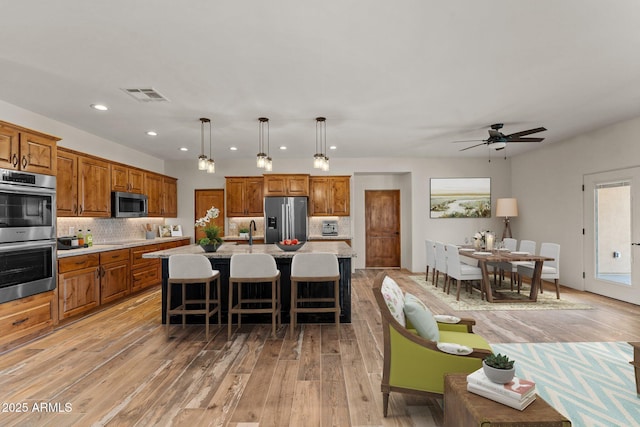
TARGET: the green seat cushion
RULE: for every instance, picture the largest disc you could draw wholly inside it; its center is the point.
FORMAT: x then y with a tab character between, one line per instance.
463	338
421	318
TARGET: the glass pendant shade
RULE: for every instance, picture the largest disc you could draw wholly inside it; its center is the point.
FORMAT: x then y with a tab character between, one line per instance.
268	164
260	160
325	164
202	162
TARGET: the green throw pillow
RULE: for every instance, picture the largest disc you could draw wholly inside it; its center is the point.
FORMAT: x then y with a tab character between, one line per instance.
421	318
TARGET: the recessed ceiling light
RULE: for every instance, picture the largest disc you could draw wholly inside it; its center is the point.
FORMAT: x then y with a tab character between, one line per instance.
282	147
233	148
333	147
100	107
184	149
152	133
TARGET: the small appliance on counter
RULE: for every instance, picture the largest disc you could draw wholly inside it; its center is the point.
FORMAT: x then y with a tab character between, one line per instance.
67	243
329	228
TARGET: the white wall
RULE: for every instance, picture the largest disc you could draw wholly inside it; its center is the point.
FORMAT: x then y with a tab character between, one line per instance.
76	139
548	185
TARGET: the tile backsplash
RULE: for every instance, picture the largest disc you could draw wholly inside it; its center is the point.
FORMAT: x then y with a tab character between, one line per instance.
108	229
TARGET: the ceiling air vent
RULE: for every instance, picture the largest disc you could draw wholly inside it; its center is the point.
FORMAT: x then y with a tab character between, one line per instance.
145	95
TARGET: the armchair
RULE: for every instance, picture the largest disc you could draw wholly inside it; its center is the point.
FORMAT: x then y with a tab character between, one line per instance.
415	365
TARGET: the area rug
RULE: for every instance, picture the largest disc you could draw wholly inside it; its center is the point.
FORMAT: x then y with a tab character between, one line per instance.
591	383
546	301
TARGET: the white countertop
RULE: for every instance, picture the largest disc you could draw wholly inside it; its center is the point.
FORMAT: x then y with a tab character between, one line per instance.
112	246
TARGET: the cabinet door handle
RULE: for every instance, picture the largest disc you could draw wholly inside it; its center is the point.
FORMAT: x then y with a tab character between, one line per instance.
19	322
24	161
15	160
75	209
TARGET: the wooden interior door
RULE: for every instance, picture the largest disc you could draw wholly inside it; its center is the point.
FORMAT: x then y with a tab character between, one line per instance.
204	200
382	228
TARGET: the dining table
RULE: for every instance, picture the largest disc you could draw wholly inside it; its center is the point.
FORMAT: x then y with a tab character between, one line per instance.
485	258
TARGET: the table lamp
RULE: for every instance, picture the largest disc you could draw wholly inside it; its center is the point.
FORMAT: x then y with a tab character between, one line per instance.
507	208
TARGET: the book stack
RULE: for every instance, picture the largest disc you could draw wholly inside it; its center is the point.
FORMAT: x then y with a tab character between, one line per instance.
518	393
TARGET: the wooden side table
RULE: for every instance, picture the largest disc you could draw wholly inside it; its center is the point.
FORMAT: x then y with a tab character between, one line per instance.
465	409
636	363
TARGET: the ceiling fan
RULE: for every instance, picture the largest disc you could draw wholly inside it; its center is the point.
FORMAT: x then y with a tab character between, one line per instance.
499	141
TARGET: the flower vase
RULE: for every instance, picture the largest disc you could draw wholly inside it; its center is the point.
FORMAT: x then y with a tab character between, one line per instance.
211	248
477	244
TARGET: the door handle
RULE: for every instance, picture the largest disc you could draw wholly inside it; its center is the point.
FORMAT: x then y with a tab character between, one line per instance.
635	244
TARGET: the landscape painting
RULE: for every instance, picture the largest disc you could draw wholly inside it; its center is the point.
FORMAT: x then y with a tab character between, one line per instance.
460	198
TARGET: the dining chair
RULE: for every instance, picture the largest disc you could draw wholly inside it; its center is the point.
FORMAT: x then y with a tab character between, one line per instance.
193	270
510	245
431	257
318	270
550	269
528	246
460	271
441	265
261	270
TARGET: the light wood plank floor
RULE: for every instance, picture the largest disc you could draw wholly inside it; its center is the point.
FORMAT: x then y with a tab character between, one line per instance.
116	367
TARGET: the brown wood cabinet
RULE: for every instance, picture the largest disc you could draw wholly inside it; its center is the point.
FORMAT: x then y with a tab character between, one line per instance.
330	196
162	193
26	318
286	185
27	150
78	284
115	275
94	187
144	272
67	183
127	179
244	196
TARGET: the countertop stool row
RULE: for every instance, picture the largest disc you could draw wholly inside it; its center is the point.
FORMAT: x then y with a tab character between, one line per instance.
315	269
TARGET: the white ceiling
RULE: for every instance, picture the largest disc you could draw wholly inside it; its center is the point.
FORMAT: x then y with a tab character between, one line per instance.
394	78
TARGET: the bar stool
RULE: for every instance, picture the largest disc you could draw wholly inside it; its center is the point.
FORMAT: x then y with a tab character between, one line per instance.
259	269
316	268
193	269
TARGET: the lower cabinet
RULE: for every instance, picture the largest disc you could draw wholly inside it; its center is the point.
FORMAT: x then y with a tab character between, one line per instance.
78	284
144	272
115	275
26	317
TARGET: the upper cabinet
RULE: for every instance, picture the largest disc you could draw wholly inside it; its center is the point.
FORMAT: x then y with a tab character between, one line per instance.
330	196
286	185
67	184
27	150
127	179
244	196
94	187
162	193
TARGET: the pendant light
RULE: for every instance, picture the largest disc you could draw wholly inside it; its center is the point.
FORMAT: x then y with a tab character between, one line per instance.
320	159
202	159
211	164
262	158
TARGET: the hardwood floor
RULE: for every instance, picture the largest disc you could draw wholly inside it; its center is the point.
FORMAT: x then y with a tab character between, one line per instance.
117	368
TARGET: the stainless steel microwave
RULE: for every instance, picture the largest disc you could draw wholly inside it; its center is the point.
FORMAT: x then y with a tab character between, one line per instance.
128	205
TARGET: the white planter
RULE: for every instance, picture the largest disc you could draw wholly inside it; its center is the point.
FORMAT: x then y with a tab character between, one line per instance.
244	235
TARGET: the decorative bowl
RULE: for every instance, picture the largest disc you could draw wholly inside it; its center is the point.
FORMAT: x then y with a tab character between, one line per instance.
289	248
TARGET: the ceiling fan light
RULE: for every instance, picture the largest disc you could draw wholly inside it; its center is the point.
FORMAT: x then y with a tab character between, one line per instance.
499	145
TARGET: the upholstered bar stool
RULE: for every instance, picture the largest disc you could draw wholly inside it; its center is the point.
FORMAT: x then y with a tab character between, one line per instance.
260	269
192	270
315	268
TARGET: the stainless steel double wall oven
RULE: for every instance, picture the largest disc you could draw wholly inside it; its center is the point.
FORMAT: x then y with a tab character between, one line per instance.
27	234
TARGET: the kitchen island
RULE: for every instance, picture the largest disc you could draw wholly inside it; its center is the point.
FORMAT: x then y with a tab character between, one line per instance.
221	261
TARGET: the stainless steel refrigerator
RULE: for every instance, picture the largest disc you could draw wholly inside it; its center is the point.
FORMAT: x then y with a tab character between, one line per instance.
285	218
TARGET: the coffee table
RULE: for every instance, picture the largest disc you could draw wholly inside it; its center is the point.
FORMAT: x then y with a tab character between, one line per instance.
636	363
465	409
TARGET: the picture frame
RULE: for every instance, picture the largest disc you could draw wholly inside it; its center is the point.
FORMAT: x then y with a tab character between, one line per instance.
460	198
176	230
164	231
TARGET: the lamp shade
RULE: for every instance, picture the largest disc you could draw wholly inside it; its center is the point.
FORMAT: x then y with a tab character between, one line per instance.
507	208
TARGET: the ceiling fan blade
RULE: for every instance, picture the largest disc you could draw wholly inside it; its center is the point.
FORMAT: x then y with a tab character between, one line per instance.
469	140
473	146
526	140
526	132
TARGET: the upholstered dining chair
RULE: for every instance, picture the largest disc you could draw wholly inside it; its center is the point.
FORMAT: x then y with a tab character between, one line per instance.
511	245
431	257
441	265
528	246
412	363
190	270
459	271
260	269
550	269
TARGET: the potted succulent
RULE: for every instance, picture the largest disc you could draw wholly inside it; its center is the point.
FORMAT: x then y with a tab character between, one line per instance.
498	368
244	232
212	242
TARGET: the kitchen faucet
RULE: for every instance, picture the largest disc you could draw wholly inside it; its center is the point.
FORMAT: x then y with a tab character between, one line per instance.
252	228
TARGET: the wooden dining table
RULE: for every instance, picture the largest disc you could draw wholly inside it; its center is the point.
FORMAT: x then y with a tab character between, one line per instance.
496	256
